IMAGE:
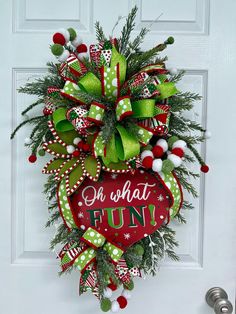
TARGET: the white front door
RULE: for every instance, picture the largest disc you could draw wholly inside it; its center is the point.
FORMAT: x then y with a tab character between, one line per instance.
205	47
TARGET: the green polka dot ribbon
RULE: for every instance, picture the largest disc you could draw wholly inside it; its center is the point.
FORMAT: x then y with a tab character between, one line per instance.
172	183
96	112
123	108
64	204
72	91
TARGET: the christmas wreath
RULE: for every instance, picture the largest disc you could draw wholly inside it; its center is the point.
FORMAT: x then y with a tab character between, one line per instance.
113	122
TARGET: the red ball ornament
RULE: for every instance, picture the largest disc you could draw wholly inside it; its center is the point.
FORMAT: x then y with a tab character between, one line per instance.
47	111
86	147
112	286
80	145
76	153
204	168
147	162
32	158
178	152
58	38
157	151
122	301
82	48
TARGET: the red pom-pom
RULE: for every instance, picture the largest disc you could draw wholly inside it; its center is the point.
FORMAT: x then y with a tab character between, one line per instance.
178	152
76	153
122	301
82	48
157	151
147	162
112	286
80	145
58	38
32	158
204	168
86	147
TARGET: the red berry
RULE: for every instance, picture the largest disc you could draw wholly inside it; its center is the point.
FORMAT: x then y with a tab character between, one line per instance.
82	48
178	152
32	158
204	168
46	111
58	38
157	151
80	145
76	153
147	162
86	147
122	301
112	286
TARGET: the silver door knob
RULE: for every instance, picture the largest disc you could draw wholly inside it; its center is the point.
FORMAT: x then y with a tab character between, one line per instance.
217	298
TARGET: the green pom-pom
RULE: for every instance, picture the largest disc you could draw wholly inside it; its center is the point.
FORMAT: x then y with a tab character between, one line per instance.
57	49
72	33
147	147
167	166
129	285
105	305
170	40
41	152
139	250
171	141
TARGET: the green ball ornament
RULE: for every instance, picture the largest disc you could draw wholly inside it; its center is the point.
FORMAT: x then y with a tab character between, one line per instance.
139	250
105	305
72	33
167	166
170	40
129	285
57	49
171	141
41	152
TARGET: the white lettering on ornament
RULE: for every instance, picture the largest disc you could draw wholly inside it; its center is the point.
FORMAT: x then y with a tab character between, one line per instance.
95	195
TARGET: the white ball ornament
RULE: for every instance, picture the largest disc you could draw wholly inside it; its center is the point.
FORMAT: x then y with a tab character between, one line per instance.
146	153
207	135
115	307
107	293
70	149
77	140
126	293
180	144
77	41
163	143
157	165
27	141
83	55
173	71
177	161
64	56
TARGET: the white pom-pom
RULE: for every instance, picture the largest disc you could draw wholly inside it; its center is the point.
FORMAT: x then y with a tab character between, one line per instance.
157	165
65	33
146	153
77	41
173	71
163	143
126	293
70	149
175	159
180	144
82	55
115	307
77	140
107	293
27	140
207	135
64	56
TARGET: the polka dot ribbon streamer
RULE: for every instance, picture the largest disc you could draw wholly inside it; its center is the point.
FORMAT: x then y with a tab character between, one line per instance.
84	254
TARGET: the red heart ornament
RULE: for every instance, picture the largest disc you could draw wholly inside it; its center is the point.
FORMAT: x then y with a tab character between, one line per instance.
124	208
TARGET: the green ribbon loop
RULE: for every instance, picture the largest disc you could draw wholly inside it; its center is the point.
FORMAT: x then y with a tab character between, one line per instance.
127	145
123	108
166	90
144	135
144	108
60	121
72	91
96	112
117	58
90	84
111	152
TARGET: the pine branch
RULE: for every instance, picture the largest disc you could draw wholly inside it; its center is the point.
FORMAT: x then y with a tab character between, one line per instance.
29	121
99	32
134	45
36	103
